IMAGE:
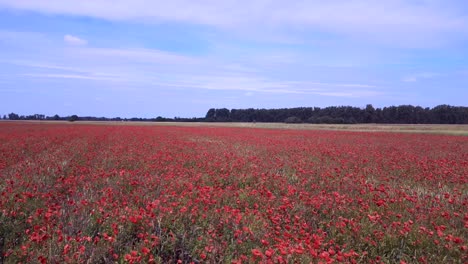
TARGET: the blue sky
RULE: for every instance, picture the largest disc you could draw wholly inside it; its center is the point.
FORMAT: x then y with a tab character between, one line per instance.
179	58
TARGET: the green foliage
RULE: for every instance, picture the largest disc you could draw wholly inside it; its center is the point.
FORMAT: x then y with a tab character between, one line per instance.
73	118
293	120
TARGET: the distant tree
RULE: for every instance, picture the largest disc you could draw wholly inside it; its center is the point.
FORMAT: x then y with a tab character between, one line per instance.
312	120
4	117
35	117
369	114
13	116
211	115
73	118
222	115
56	117
403	114
338	120
325	120
293	120
351	121
444	114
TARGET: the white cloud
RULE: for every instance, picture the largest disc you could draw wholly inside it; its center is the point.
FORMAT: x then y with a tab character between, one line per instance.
136	55
422	23
336	94
68	76
352	94
200	75
420	76
73	40
23	38
351	85
128	69
47	65
410	79
463	72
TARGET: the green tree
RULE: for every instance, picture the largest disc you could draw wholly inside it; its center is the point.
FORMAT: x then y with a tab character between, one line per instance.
73	118
293	120
13	116
369	114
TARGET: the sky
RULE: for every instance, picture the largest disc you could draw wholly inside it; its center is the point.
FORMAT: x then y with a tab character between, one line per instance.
148	58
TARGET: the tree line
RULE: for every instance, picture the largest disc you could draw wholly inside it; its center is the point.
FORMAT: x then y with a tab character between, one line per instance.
72	118
403	114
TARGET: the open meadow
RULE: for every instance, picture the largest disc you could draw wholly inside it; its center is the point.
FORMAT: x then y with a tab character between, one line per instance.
84	193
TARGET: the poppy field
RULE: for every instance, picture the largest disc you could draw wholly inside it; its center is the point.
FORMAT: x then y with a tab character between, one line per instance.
72	193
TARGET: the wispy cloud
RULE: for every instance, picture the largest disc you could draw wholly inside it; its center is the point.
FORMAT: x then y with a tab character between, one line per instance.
124	66
44	65
424	75
70	76
414	23
353	94
136	55
409	79
351	85
23	38
73	40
